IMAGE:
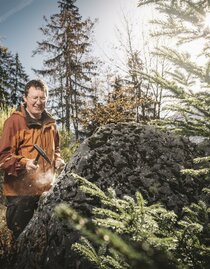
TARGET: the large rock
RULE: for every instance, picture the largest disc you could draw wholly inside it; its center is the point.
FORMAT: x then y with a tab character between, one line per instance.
127	157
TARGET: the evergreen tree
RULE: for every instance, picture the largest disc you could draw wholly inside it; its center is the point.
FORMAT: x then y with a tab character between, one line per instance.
17	80
131	234
68	63
12	79
188	80
4	77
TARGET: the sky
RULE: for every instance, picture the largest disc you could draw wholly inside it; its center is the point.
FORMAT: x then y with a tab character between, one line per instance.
20	21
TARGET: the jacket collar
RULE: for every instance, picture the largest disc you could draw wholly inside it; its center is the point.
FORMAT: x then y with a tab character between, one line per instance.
45	118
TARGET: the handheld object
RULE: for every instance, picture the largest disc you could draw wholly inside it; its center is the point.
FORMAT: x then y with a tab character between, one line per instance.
40	153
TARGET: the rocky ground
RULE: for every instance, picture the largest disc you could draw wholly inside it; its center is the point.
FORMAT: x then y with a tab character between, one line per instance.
127	157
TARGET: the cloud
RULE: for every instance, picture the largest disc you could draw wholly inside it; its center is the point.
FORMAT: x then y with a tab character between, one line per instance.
19	7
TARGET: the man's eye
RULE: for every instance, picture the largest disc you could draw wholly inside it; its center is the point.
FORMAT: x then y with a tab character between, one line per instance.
36	98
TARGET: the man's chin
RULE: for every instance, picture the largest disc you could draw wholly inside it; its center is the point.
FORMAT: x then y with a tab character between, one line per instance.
37	114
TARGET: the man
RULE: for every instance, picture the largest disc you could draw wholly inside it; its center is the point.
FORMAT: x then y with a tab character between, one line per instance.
25	180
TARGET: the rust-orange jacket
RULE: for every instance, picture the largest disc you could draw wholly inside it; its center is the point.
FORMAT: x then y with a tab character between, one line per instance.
20	133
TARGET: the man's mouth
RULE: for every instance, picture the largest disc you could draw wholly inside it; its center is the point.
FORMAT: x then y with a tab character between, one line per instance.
38	108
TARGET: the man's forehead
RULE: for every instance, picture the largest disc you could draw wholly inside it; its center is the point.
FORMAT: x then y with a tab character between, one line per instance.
35	89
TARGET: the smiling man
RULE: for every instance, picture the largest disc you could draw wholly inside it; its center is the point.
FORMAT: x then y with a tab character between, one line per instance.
24	180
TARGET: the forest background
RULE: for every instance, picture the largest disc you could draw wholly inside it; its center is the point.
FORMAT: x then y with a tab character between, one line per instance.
94	81
162	83
86	92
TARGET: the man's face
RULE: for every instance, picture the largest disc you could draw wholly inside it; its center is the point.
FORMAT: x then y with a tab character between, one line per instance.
35	101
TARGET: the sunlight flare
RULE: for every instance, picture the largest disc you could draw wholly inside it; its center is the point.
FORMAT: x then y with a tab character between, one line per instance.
207	19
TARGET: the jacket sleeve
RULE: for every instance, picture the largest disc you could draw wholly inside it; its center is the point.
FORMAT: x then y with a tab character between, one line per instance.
11	163
57	145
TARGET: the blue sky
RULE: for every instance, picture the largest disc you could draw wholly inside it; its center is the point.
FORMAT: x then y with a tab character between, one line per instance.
20	21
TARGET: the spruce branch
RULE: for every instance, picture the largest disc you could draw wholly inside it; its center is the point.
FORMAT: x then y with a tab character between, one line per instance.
131	236
84	248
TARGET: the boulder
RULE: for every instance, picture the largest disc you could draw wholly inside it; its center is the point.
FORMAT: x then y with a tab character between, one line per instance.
126	157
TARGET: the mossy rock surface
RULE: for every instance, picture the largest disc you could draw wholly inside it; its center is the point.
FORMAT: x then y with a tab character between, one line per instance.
126	157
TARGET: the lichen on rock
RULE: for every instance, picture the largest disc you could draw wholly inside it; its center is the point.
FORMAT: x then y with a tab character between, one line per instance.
127	157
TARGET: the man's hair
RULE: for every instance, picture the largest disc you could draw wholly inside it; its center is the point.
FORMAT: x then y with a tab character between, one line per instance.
38	84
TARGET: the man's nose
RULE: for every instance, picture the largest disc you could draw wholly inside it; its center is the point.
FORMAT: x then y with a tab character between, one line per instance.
39	101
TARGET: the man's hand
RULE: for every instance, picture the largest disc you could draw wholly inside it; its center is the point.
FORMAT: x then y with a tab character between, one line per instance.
59	164
30	166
